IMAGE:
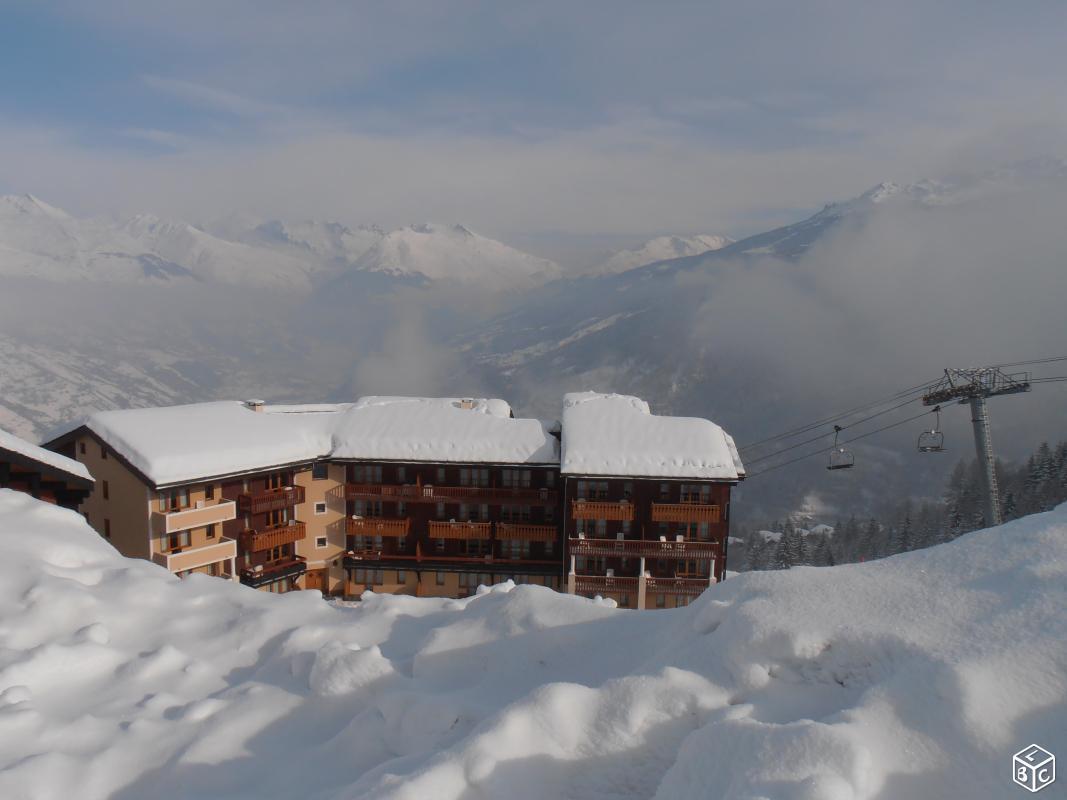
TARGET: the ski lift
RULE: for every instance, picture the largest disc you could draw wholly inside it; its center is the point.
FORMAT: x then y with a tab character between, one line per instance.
933	441
840	457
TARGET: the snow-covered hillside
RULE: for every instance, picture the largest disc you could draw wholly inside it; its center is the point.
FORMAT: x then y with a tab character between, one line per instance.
454	253
917	676
661	248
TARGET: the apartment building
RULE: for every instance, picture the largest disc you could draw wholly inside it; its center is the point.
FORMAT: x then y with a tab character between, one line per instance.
41	473
420	496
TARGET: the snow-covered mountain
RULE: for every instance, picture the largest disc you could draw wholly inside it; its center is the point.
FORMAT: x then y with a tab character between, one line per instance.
121	680
40	241
660	248
330	241
454	253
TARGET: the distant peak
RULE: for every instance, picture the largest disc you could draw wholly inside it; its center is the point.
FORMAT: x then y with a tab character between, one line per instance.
30	204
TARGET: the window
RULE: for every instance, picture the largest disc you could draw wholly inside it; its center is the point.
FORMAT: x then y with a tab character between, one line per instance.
469	476
664	491
441	475
105	489
440	510
320	471
320	541
209	491
176	541
81	448
107	529
401	475
366	473
440	579
550	479
516	478
624	601
628	490
211	531
320	508
661	601
401	576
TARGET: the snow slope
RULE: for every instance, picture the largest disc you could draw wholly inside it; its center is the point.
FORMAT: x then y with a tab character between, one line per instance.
662	248
917	676
451	252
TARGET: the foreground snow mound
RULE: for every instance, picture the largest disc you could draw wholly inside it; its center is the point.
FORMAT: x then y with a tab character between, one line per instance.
917	677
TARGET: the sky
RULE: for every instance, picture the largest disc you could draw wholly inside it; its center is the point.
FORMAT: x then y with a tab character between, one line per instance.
517	119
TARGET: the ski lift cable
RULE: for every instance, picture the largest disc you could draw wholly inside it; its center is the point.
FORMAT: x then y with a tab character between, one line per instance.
913	390
825	450
1032	361
827	433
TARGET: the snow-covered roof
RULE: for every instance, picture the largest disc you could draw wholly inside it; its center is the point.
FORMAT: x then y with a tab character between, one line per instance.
442	429
12	443
612	434
178	444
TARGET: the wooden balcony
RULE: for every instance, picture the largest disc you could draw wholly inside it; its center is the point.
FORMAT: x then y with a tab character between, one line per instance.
474	495
460	530
687	586
291	567
260	539
638	548
183	558
375	526
599	584
524	531
621	511
270	500
685	512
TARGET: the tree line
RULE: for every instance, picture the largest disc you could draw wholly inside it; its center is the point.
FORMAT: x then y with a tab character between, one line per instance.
1037	485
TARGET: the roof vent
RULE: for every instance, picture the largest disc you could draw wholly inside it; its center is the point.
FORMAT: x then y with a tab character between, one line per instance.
254	405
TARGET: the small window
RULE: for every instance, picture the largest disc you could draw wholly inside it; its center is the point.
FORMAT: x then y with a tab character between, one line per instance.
105	489
401	475
320	471
107	529
320	541
440	474
211	531
550	479
209	491
81	448
320	508
661	601
401	576
440	579
624	601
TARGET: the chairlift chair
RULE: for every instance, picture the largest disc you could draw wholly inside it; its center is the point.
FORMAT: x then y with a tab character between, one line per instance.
933	441
840	457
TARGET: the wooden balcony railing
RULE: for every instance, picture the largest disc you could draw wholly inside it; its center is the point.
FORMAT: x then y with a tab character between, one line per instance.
460	530
622	510
270	500
685	512
686	586
261	539
416	493
526	532
267	573
371	526
637	548
601	583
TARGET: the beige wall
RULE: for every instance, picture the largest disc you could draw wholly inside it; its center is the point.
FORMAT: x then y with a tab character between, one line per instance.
127	506
331	524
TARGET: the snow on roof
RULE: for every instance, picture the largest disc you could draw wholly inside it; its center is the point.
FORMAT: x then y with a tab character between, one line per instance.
177	444
11	442
442	429
612	434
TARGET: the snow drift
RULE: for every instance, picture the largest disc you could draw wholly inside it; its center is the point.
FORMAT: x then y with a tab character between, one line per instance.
917	676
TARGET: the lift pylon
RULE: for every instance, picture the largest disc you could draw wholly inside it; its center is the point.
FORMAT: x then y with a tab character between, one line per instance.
974	386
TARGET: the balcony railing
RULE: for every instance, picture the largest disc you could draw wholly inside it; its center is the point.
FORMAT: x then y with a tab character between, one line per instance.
686	586
370	526
268	538
622	510
527	532
184	558
637	548
417	493
460	530
685	512
290	567
601	583
270	500
209	512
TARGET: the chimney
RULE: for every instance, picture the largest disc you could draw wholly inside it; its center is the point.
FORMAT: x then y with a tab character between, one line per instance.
254	405
466	403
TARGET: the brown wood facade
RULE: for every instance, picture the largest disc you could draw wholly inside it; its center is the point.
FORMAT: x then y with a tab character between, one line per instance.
41	480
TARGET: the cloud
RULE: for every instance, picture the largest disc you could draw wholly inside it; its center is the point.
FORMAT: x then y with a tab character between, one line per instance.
212	98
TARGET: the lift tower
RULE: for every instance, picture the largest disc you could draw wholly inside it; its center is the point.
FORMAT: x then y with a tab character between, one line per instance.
974	386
